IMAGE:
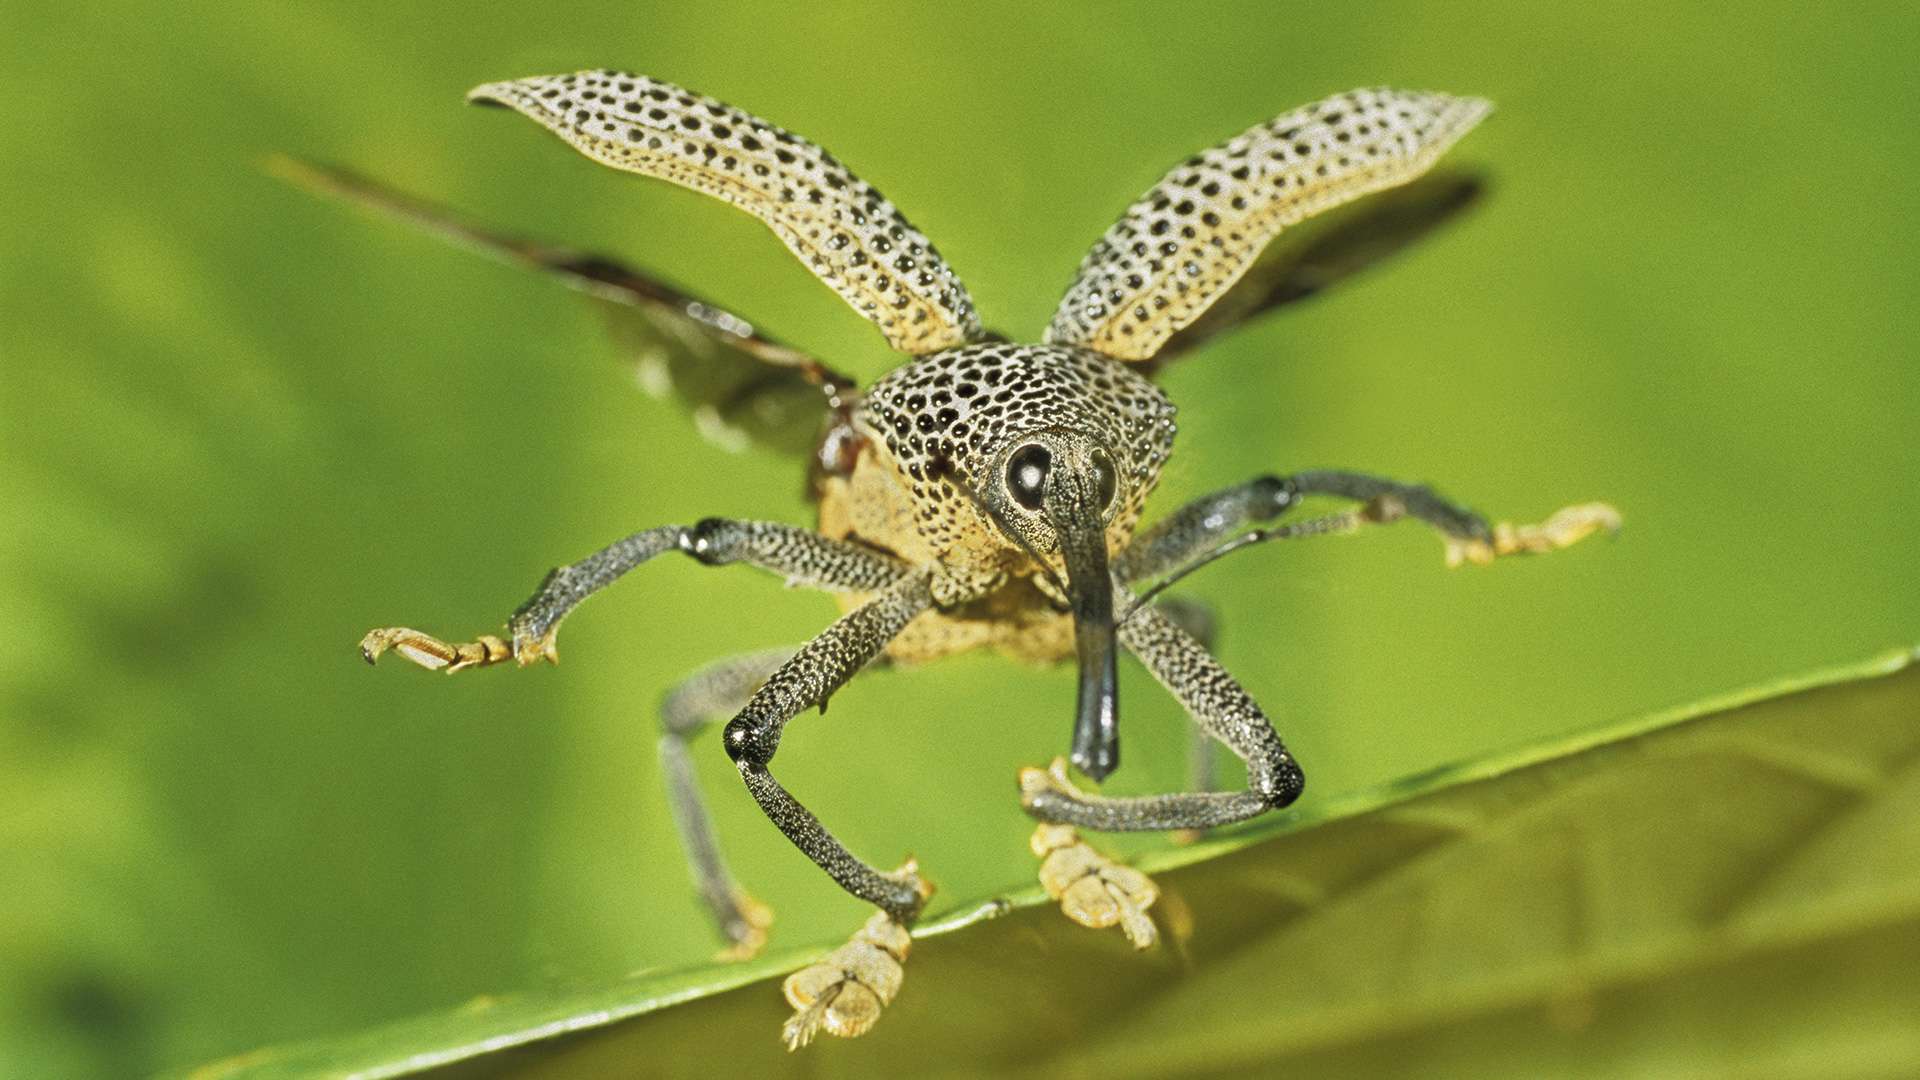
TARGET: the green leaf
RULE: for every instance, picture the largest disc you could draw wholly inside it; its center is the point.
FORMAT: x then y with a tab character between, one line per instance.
1732	887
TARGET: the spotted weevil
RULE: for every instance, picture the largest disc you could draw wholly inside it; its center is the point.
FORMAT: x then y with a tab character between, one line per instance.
983	494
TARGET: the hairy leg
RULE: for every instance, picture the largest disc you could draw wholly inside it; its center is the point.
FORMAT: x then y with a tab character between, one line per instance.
803	557
1092	889
843	994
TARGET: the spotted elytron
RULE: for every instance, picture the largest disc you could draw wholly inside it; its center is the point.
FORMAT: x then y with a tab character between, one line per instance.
983	494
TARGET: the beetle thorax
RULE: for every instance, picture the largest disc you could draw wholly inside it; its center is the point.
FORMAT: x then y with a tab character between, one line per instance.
949	425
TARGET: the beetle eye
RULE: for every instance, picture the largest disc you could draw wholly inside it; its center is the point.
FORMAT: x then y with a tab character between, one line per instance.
1027	474
1106	481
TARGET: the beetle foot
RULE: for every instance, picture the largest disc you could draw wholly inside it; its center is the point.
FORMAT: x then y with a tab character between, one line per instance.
1567	526
746	928
842	993
1092	889
435	655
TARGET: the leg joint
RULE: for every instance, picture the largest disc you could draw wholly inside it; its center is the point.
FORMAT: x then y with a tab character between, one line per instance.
750	743
713	541
1270	496
677	722
1278	780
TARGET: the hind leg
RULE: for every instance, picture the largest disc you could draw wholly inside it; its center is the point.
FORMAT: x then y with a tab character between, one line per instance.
713	693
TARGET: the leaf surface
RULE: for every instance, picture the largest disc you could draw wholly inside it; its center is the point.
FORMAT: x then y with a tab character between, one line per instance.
1731	887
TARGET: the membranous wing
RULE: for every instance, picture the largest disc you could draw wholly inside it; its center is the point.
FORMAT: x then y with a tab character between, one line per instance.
741	386
847	233
1314	255
1188	240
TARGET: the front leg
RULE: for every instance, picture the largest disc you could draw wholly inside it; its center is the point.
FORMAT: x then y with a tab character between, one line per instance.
808	679
803	557
1092	889
1212	525
843	993
1221	707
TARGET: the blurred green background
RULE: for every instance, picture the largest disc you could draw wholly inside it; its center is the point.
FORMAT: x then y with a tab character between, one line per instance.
239	426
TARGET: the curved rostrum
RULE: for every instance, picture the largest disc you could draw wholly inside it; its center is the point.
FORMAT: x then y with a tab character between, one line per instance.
1184	243
843	230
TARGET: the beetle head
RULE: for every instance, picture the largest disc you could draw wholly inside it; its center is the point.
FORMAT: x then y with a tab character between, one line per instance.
1033	459
1056	491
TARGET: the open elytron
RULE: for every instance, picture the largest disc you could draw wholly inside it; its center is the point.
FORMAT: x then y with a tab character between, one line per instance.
983	494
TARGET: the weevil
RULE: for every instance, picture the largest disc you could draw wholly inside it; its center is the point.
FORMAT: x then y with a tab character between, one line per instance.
983	494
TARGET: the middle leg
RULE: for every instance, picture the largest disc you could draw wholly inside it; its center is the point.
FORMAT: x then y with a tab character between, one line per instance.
807	679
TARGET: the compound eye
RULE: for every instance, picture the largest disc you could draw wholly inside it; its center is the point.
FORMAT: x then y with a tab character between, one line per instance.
1027	474
1106	481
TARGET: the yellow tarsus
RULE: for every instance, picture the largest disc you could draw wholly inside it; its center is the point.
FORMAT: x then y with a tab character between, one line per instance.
435	655
1091	889
758	918
844	992
1565	528
802	1026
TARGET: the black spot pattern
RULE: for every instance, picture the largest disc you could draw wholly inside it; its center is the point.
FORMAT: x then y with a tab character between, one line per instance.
948	415
847	233
1186	241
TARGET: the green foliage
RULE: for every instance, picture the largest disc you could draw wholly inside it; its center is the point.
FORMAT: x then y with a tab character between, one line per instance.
240	426
1732	888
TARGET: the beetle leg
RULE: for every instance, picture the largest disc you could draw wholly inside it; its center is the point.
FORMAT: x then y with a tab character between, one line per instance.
1215	524
707	695
436	655
752	737
1199	621
1220	707
843	992
1567	526
1092	889
801	556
